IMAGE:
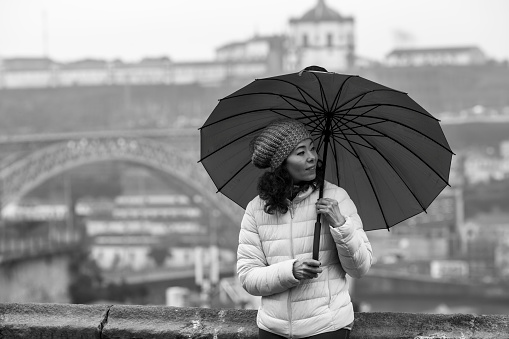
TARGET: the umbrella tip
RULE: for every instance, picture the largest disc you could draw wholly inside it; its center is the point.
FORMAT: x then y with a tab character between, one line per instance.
313	68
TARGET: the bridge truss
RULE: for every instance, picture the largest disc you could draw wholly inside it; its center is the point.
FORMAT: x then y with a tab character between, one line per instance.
32	170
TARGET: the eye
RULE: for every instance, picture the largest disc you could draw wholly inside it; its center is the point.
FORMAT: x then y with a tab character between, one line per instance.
300	153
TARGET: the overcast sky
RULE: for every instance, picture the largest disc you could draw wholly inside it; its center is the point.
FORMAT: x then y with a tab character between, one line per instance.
192	29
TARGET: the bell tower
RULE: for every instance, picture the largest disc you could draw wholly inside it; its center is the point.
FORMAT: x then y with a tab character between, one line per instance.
322	37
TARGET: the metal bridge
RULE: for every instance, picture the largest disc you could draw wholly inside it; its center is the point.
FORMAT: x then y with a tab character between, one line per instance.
27	161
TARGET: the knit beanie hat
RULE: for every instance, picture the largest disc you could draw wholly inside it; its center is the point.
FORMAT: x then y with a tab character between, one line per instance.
276	142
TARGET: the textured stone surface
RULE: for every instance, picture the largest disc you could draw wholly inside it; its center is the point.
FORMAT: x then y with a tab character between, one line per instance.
51	320
174	322
120	321
424	326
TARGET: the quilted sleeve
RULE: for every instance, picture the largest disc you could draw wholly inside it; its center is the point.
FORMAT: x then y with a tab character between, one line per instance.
353	246
256	276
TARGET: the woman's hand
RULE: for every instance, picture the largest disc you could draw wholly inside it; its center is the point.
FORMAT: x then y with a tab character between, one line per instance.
306	269
330	210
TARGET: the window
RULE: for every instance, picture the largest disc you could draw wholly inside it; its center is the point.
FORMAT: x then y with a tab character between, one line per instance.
305	40
329	40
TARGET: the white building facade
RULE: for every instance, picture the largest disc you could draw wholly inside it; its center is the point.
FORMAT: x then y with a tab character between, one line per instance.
321	37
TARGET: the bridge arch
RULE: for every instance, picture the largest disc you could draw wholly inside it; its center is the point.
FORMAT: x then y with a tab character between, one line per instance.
31	171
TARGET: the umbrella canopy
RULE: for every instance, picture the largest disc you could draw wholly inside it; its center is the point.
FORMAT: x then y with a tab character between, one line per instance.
384	149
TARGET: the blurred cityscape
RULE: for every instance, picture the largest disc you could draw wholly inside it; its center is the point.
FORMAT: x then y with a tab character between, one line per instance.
102	199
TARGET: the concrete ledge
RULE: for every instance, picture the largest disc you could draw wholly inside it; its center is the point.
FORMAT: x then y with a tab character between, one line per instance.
120	321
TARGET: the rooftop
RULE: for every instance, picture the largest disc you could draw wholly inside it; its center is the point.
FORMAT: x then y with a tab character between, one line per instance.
321	12
457	49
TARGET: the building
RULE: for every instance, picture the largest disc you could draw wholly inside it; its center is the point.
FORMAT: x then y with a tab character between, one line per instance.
266	49
504	149
482	168
135	228
487	236
445	81
458	56
32	73
321	37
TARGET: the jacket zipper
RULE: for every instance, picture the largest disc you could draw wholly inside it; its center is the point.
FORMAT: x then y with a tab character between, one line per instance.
289	303
328	285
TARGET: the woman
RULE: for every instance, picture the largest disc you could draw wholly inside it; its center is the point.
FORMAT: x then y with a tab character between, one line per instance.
301	297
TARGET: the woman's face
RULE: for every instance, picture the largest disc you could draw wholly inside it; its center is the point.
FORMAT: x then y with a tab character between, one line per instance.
301	163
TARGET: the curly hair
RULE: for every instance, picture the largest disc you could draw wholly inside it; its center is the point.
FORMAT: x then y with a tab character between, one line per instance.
277	187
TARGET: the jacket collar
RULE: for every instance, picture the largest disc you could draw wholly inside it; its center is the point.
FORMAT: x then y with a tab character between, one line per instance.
303	195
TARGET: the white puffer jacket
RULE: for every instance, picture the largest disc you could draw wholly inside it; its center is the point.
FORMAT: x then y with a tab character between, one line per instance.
270	244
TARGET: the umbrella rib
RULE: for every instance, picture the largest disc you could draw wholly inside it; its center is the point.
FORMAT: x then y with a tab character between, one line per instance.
247	112
344	147
231	142
233	176
368	92
317	121
370	124
294	85
335	153
370	183
269	93
394	169
304	97
353	107
363	134
389	105
320	140
344	115
322	93
397	123
278	113
296	109
336	135
357	116
340	90
340	119
410	150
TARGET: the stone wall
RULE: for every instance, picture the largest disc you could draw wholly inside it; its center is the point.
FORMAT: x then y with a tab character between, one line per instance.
119	321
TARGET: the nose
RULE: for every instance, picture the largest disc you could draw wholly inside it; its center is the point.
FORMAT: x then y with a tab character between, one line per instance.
311	157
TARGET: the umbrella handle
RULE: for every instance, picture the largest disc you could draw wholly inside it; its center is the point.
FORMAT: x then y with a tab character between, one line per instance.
318	226
316	238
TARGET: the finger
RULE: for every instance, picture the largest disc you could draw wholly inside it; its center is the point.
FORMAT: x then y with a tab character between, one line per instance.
330	201
312	275
309	275
324	210
312	262
313	271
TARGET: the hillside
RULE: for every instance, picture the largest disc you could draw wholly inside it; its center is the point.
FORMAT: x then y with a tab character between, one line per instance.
78	109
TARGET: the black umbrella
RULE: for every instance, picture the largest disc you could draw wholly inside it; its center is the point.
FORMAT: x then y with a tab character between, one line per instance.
385	150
